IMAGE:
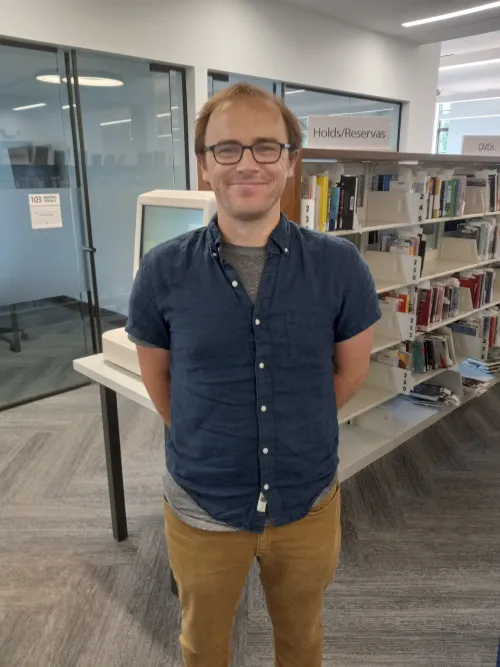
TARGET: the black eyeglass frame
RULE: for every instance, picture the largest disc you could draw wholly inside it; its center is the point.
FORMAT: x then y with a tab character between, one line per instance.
243	148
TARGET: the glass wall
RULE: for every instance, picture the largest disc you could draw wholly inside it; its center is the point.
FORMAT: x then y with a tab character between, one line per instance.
466	117
305	102
78	127
134	142
44	291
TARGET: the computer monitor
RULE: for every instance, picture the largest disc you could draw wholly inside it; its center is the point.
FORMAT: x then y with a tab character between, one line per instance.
165	214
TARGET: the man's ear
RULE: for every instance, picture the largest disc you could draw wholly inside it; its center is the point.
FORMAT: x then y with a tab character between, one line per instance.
202	164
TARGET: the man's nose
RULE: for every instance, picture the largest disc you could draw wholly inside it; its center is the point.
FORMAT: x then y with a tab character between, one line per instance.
247	160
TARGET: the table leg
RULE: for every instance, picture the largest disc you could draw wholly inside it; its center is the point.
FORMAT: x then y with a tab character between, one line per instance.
112	448
16	334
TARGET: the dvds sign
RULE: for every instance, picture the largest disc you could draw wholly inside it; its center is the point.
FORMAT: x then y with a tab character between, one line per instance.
480	145
349	131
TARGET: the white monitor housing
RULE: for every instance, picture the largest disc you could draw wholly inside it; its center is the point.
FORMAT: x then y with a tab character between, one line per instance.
161	215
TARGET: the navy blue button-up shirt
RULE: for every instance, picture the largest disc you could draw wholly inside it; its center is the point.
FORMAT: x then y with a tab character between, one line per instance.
252	400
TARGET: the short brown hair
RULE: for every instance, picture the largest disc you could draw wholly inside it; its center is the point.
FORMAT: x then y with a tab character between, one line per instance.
239	90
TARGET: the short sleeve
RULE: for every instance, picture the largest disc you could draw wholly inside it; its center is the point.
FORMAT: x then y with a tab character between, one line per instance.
145	322
360	308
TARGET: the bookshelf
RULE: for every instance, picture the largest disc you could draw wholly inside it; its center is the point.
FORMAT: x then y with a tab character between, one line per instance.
380	417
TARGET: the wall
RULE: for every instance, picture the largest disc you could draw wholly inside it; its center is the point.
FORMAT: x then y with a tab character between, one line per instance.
254	37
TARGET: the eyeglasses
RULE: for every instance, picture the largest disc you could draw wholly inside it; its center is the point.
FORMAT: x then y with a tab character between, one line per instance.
264	152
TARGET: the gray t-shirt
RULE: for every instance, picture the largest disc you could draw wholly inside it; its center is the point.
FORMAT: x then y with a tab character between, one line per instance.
249	264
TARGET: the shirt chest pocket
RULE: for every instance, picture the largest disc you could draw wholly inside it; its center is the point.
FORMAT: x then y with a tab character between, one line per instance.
310	334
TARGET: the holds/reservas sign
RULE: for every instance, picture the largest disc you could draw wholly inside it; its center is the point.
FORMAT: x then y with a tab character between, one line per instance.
349	131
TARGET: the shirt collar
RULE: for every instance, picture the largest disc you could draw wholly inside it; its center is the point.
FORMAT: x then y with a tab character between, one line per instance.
280	235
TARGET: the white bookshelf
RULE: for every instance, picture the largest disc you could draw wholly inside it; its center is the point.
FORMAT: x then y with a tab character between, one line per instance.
375	226
379	418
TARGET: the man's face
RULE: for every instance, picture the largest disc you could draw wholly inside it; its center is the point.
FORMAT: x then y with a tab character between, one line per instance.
248	190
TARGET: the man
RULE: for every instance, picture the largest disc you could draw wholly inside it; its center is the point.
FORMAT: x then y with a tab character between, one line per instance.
251	334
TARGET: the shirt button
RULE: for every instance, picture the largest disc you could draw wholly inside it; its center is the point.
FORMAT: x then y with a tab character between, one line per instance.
286	251
263	408
266	487
257	322
214	254
234	283
265	450
261	365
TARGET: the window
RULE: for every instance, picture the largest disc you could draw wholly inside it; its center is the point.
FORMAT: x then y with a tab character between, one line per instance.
305	102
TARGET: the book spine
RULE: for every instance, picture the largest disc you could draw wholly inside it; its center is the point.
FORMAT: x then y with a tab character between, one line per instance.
334	209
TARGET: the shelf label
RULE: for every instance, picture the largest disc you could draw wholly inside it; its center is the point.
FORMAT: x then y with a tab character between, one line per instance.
307	213
417	208
349	131
45	211
411	268
480	145
407	326
484	349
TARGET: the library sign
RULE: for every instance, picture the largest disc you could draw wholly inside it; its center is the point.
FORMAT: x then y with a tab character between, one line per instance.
480	145
349	131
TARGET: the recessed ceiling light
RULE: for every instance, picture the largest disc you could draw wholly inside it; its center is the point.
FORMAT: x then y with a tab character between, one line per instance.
292	92
116	122
66	106
95	81
164	136
30	106
49	78
163	115
452	15
475	64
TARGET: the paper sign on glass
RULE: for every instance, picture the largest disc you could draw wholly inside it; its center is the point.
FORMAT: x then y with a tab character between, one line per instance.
45	211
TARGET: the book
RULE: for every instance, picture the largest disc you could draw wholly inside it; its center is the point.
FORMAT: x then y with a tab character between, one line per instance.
322	183
424	307
350	187
333	216
436	206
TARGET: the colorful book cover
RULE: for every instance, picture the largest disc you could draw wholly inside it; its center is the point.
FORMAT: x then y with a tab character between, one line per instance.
323	202
334	208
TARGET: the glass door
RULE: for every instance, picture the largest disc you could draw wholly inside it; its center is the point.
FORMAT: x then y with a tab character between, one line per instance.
45	304
132	114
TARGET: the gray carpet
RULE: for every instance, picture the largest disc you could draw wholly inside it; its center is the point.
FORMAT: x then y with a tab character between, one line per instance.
56	334
418	584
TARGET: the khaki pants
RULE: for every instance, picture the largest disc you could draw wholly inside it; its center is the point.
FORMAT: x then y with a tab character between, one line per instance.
297	562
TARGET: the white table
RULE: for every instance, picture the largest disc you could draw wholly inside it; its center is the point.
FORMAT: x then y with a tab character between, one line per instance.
114	380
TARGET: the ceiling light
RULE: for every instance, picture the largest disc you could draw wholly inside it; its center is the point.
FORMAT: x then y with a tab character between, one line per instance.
174	107
163	115
474	64
95	81
116	122
356	113
292	92
164	136
490	115
476	99
452	15
49	78
66	106
30	106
